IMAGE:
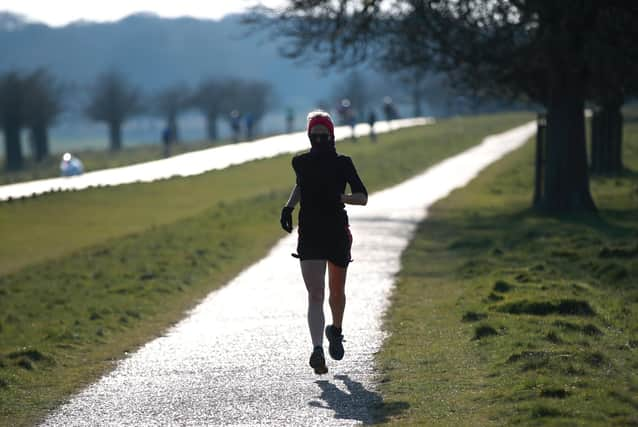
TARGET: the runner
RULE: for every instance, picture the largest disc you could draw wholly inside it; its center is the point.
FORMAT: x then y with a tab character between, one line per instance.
324	236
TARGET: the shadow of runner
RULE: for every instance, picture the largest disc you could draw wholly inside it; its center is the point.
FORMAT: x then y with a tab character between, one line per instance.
357	404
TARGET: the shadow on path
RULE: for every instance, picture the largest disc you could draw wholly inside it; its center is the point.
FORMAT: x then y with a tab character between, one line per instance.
357	403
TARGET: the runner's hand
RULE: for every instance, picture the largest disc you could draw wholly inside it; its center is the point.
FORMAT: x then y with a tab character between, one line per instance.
286	218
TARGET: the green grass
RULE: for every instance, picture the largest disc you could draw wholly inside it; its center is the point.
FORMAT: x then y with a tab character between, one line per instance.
504	317
87	276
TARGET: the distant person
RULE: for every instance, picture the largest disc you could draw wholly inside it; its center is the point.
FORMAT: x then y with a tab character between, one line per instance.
348	116
71	165
389	110
167	140
235	124
249	121
372	118
324	236
290	120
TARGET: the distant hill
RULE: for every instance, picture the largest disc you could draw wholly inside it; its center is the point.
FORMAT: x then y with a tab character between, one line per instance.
155	52
11	22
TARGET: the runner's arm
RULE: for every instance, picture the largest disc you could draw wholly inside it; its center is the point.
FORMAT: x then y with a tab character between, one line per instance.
359	194
295	194
355	199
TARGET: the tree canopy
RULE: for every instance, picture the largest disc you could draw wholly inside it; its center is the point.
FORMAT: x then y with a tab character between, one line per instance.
113	101
553	53
510	46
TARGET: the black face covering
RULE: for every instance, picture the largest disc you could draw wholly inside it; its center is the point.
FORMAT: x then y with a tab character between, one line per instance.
319	138
321	143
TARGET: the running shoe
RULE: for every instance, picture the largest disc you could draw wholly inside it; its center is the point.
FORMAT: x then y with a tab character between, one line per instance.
336	342
318	361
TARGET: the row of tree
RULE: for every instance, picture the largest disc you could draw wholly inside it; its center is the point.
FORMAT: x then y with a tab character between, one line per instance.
558	55
413	87
34	100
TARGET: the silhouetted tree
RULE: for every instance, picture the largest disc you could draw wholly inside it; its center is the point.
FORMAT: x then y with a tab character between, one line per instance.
217	98
169	103
436	87
416	83
234	106
606	138
12	118
255	99
209	98
613	80
113	101
536	49
42	104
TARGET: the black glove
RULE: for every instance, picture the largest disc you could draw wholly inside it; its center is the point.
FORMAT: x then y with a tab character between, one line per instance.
286	218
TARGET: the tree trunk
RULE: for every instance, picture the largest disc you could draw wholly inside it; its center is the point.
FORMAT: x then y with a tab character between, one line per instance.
211	126
13	147
40	138
596	141
606	140
566	179
541	128
617	137
115	135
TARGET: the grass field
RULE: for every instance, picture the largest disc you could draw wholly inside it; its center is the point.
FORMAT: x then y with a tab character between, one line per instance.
504	317
87	276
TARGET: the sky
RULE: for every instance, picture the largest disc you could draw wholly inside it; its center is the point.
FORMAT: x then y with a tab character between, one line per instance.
61	12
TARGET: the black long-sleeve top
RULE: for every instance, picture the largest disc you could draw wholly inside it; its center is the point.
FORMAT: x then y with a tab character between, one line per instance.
322	178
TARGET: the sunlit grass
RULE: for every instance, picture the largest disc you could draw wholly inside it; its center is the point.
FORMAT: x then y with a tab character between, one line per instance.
504	317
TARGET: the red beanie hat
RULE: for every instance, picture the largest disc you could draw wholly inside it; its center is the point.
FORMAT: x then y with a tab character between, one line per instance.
322	120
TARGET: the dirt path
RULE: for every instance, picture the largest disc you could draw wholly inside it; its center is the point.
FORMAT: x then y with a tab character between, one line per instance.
193	163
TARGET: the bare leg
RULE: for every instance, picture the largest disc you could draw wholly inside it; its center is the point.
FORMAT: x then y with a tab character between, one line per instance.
314	273
337	299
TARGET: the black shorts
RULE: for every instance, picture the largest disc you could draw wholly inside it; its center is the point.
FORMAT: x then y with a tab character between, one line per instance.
333	246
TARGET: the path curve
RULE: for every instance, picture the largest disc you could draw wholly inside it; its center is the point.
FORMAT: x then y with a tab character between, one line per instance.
193	163
240	357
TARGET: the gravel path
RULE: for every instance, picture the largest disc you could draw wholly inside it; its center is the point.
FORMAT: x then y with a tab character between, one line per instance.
241	356
193	163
